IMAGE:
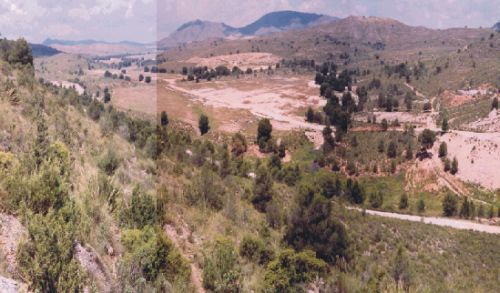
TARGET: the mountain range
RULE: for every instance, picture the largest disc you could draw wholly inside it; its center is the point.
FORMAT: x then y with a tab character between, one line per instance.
52	42
278	21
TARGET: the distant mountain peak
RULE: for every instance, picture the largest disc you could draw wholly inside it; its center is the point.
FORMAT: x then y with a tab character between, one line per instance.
285	20
198	30
496	26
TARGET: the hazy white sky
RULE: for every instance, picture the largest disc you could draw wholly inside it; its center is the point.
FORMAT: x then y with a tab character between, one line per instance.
144	20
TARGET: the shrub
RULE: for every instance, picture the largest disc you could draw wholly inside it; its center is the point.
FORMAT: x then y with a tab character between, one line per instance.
46	258
454	166
401	270
163	118
206	189
147	79
403	201
143	210
109	162
443	150
264	131
427	138
449	205
255	250
392	150
262	190
421	205
376	199
385	124
238	144
291	269
149	255
221	272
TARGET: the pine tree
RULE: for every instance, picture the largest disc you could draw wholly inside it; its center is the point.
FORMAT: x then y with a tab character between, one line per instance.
203	124
403	201
164	118
444	125
454	166
443	150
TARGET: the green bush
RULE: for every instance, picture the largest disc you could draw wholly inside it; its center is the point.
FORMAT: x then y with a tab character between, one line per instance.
221	272
109	162
149	255
450	205
206	189
255	250
376	199
262	190
143	210
291	269
46	258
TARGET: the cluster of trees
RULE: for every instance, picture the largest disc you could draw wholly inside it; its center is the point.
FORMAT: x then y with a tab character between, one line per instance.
467	209
16	52
155	69
449	166
203	72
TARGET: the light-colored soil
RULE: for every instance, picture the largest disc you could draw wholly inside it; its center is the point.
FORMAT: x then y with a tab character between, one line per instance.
242	60
66	84
279	99
9	286
488	124
478	156
140	98
90	262
11	232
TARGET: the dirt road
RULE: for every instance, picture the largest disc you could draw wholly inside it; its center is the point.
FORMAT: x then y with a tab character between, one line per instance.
445	222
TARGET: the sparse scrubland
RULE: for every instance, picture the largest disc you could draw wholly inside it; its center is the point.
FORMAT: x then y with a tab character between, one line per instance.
157	200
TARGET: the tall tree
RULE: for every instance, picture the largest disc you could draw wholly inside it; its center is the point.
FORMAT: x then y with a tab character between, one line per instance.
203	124
312	226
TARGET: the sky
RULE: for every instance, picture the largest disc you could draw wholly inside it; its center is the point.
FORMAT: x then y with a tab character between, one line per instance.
147	20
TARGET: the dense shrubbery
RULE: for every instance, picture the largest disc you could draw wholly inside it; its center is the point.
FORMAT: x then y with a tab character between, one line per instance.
291	269
221	272
149	255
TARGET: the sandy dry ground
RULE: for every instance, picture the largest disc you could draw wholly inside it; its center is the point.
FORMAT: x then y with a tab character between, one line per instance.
11	232
66	84
478	156
279	99
488	124
242	60
139	99
445	222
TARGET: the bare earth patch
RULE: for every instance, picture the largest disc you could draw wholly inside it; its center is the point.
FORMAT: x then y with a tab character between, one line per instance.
282	100
11	232
478	156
